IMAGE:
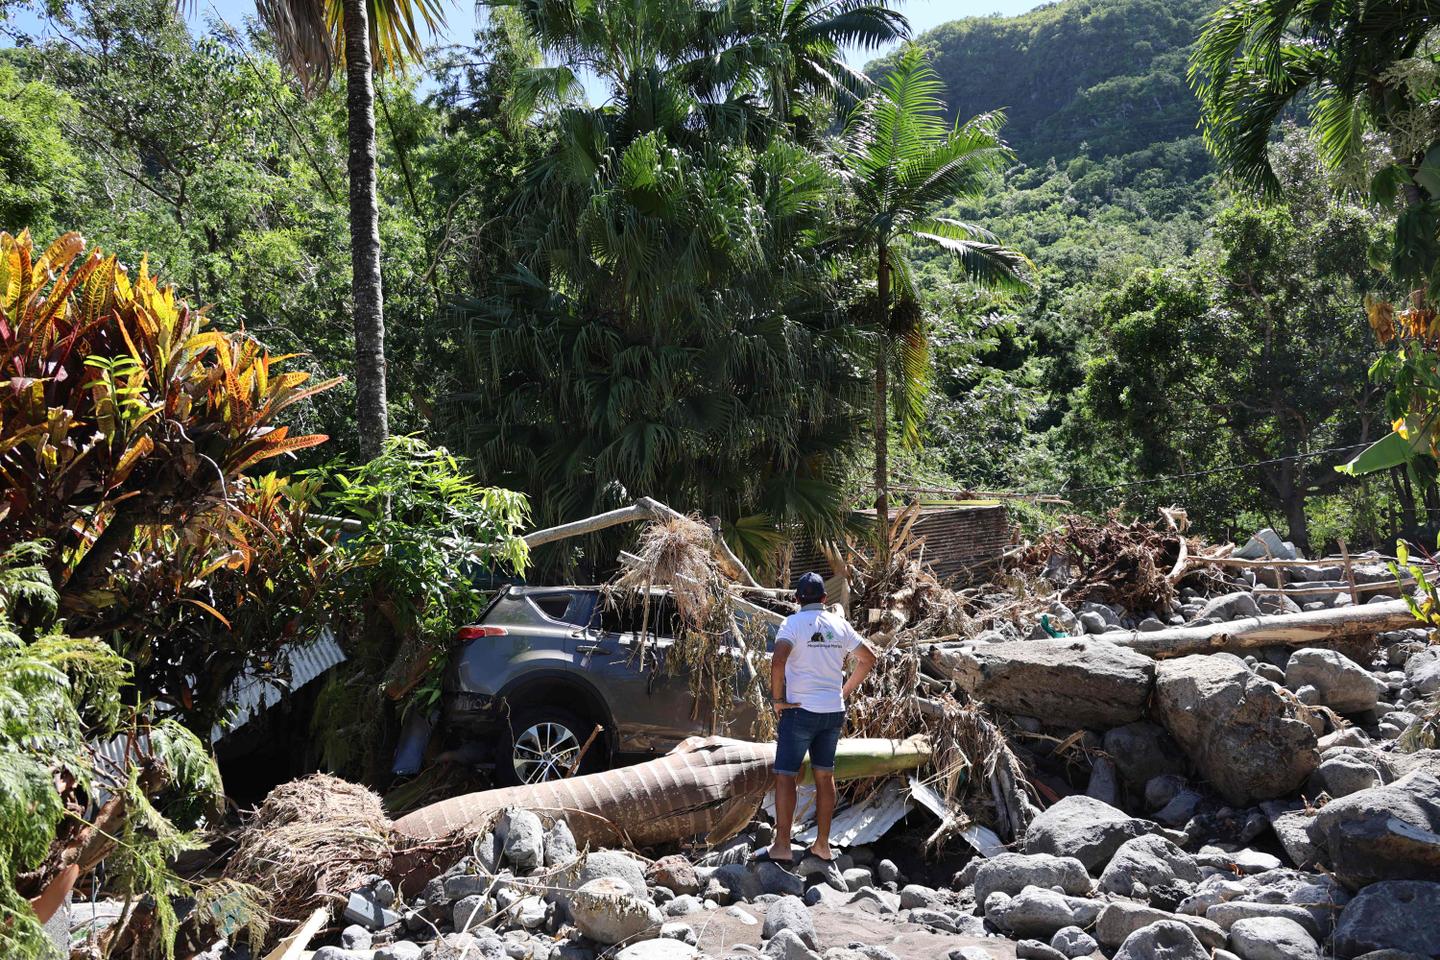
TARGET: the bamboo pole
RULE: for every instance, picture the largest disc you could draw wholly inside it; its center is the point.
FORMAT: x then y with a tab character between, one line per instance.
1290	629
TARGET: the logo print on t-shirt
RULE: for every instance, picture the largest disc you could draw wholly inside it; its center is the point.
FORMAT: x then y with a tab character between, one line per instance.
823	637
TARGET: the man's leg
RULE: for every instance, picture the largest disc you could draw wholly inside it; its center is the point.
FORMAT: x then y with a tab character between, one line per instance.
824	810
822	763
784	815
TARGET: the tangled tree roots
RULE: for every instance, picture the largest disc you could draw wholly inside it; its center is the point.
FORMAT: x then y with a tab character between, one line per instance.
1108	562
312	842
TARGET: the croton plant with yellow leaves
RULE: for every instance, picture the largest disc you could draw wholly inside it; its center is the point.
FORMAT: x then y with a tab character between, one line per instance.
121	408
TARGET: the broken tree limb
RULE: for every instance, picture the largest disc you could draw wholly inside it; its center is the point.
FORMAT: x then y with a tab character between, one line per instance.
754	609
1291	629
1170	514
645	508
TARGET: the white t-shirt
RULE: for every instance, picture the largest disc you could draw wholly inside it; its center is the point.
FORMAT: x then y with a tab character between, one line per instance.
815	671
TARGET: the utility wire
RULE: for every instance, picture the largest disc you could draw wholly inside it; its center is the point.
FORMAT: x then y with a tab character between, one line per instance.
1215	470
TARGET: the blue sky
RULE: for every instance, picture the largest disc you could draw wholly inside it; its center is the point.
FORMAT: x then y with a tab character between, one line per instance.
461	15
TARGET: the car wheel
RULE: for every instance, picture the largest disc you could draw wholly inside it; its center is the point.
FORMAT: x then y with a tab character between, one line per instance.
544	743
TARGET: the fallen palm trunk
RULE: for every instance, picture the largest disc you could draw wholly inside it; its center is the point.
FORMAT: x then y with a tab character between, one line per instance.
707	787
1291	629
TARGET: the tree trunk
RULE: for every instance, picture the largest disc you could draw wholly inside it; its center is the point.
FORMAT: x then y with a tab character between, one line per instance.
370	411
882	419
1289	629
1295	519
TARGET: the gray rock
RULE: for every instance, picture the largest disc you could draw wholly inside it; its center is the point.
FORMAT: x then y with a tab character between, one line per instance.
1293	829
1242	732
970	953
1389	832
602	863
1104	785
887	871
1036	912
935	919
682	905
1266	544
1146	862
1162	940
1084	828
790	913
675	930
1012	872
333	953
669	948
1272	938
1343	773
1142	751
787	945
455	946
1120	919
524	839
1229	914
1390	915
364	909
1273	602
777	880
914	895
1068	681
355	937
559	844
471	912
674	872
1422	671
1093	622
857	877
458	886
1344	685
399	950
607	911
1074	942
1036	950
1232	606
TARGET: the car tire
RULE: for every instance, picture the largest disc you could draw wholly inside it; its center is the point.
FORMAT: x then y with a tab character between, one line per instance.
542	743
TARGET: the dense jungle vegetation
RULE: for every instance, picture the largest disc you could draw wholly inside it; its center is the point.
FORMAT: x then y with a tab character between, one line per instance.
258	275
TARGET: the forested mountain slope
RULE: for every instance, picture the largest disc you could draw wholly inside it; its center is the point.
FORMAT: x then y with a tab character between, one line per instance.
1109	74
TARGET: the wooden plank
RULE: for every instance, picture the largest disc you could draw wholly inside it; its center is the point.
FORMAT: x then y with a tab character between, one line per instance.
293	946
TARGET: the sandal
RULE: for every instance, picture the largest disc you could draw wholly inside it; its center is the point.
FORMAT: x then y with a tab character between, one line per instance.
811	854
764	857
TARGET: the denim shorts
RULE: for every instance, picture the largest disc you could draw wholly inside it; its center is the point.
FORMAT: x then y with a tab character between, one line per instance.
801	732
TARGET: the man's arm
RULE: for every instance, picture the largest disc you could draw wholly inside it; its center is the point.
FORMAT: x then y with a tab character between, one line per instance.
777	675
864	663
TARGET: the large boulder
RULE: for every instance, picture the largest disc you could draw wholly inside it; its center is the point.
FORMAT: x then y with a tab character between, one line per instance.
1012	872
1272	938
1147	862
1162	940
1246	735
1389	832
1120	919
1067	682
1036	912
1344	685
1392	915
1232	606
1084	828
1422	671
606	911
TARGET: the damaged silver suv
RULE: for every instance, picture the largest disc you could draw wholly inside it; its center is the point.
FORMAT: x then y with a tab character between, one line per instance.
545	666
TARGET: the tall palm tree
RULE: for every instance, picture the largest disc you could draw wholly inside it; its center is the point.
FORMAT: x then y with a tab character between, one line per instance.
903	162
365	36
794	47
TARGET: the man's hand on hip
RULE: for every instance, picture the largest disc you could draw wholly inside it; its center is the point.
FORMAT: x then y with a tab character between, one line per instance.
782	705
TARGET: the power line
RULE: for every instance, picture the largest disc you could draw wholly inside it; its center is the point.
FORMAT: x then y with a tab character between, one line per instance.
1215	470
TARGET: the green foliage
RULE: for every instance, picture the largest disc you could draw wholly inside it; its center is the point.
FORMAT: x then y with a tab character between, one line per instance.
1256	351
59	694
429	537
37	165
122	409
1100	76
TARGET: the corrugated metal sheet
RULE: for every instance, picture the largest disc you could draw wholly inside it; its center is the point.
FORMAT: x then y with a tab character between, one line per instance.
253	693
853	824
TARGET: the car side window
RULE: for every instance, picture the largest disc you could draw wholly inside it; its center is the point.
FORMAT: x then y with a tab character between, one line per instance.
568	607
627	615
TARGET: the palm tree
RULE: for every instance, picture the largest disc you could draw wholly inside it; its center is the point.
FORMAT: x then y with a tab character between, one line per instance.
902	162
365	36
794	47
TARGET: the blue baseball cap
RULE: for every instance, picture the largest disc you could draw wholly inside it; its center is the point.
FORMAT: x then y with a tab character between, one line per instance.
809	588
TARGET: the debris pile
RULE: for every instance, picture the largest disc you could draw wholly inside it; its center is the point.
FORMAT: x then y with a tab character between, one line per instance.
1150	746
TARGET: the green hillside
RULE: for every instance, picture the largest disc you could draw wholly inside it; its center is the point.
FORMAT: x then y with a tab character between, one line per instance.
1109	74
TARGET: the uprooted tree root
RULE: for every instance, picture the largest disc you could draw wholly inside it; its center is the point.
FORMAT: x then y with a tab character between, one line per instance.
1109	562
312	842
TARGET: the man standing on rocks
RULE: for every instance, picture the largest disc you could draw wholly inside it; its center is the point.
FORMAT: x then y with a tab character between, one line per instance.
809	687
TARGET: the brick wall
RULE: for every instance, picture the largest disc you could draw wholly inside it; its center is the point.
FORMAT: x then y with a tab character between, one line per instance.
962	544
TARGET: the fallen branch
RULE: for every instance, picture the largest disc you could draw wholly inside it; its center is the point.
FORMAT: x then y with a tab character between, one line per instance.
1291	629
645	508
